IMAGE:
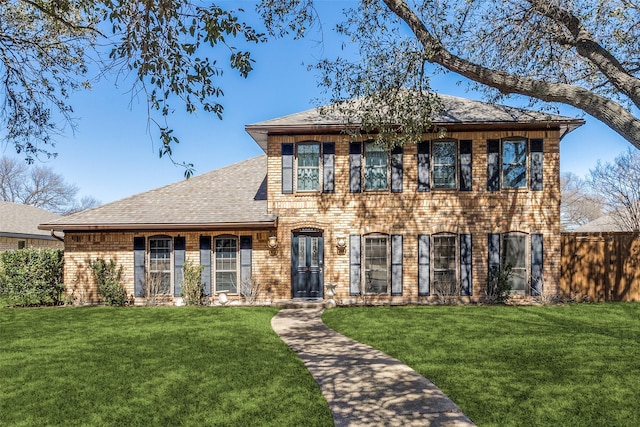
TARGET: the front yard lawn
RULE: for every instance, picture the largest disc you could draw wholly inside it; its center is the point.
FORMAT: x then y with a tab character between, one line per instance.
152	366
573	365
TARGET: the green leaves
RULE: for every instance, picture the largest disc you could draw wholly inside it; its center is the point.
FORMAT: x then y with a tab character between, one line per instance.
170	47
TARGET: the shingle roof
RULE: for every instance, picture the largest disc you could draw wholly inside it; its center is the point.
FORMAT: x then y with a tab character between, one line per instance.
233	196
603	224
457	111
22	221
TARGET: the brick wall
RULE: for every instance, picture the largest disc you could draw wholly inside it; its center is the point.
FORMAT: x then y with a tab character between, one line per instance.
81	247
11	243
410	213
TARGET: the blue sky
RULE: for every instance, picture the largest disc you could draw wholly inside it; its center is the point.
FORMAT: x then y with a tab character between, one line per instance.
112	155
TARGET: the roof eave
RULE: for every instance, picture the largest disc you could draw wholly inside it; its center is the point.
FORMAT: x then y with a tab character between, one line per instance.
26	236
260	133
255	225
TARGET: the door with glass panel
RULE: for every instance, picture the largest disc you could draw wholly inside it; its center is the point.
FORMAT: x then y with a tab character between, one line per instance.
307	259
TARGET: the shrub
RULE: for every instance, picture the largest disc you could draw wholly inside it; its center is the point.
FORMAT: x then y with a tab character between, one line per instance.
192	289
498	286
32	277
250	289
108	277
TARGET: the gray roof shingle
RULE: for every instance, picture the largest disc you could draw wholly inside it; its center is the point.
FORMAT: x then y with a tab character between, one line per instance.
17	220
233	196
604	224
456	111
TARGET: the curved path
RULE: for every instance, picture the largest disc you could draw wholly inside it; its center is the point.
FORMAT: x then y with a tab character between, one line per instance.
363	386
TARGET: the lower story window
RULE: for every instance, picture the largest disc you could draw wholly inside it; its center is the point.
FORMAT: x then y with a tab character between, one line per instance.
159	281
376	264
226	264
514	254
444	265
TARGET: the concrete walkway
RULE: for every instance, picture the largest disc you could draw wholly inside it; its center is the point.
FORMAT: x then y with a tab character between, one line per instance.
363	386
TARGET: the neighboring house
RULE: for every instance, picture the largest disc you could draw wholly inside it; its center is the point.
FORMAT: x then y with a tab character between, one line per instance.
19	227
405	226
604	224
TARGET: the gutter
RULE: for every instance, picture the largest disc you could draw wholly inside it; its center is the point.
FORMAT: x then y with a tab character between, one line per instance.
261	225
53	234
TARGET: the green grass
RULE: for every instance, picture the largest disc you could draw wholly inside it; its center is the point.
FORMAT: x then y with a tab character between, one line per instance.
152	366
573	365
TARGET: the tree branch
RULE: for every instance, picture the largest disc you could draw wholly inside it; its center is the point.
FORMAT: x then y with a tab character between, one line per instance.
591	50
609	112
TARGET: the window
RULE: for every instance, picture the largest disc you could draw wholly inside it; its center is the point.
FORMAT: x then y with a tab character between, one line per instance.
376	264
159	282
514	254
444	164
226	264
311	170
514	164
444	265
308	167
375	169
22	244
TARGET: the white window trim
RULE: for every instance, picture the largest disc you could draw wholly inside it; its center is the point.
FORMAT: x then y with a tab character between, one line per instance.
364	263
527	258
364	169
214	264
456	269
456	165
320	168
526	162
150	271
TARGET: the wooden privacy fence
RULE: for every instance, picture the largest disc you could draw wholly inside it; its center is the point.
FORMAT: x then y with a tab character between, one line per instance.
601	266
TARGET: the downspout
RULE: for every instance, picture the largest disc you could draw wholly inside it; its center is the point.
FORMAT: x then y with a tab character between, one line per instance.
53	234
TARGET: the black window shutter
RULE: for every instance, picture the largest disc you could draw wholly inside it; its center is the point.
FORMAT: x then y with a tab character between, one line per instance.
424	172
396	170
493	165
139	256
246	247
537	255
494	256
355	164
287	168
328	167
396	264
205	262
179	246
466	261
537	161
354	264
466	175
424	242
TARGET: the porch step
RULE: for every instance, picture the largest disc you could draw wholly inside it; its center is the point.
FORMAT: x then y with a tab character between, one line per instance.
304	304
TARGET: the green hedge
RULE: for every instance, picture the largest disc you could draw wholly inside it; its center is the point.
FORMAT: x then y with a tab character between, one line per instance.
32	276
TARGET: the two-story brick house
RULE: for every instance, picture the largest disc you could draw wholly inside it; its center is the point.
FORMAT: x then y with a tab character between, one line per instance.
409	225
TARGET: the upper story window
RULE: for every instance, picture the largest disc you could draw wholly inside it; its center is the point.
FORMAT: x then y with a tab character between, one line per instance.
515	163
308	167
376	168
445	165
383	169
312	166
